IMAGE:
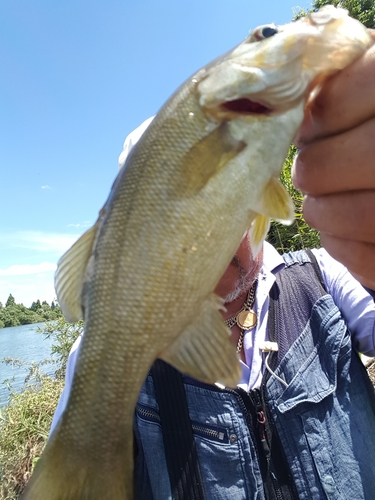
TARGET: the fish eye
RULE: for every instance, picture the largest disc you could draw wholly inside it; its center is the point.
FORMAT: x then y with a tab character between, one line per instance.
262	32
269	31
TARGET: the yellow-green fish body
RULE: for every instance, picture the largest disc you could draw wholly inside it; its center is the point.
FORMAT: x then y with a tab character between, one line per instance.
203	173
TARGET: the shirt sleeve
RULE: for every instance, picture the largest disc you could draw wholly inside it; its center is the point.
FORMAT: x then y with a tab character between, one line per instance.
70	366
131	140
355	303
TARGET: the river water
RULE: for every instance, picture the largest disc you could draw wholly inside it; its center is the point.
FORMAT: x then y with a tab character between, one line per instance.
25	343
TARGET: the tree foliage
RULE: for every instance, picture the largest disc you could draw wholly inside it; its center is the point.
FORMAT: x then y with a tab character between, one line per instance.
17	314
10	301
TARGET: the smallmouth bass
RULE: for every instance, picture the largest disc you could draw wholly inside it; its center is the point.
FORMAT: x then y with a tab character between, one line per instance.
205	171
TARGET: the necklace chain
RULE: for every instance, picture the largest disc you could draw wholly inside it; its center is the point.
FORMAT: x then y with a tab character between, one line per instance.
247	320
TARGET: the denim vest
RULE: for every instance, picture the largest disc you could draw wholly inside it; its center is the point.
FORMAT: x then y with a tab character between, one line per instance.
322	411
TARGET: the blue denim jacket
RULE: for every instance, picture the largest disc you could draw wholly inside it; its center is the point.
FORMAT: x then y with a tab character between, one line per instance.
323	412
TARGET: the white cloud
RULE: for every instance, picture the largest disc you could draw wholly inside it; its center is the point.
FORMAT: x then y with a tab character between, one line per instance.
27	288
28	262
22	269
83	224
38	241
46	186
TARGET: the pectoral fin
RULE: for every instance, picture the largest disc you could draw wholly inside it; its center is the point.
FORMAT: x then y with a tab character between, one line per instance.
276	202
205	350
258	232
70	273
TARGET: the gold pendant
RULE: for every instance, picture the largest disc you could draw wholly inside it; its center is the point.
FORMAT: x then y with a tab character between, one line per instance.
246	319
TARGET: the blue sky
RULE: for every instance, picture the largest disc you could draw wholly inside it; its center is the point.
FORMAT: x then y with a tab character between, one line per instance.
76	77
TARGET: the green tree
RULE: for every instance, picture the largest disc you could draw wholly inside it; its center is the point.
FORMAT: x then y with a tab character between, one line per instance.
10	301
17	314
35	305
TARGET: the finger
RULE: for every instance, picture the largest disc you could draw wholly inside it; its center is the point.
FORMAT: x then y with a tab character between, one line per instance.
344	162
344	101
358	257
344	215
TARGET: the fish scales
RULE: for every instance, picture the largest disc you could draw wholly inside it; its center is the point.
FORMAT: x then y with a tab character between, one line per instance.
203	173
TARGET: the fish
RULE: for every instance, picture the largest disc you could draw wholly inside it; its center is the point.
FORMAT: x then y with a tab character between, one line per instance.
204	172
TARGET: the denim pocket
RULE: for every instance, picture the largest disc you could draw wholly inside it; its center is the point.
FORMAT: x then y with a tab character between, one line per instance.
200	429
226	454
310	367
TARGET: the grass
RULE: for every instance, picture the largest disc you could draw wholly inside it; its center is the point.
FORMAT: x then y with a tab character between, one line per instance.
24	428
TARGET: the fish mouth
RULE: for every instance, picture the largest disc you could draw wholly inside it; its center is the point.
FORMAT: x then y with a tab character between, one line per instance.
244	106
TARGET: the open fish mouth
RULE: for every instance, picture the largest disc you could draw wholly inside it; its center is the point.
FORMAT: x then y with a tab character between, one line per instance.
244	106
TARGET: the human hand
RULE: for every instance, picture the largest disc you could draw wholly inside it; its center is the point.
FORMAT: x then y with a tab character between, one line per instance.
335	167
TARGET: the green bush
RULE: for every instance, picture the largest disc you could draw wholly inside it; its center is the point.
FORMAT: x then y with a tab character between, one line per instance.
63	334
